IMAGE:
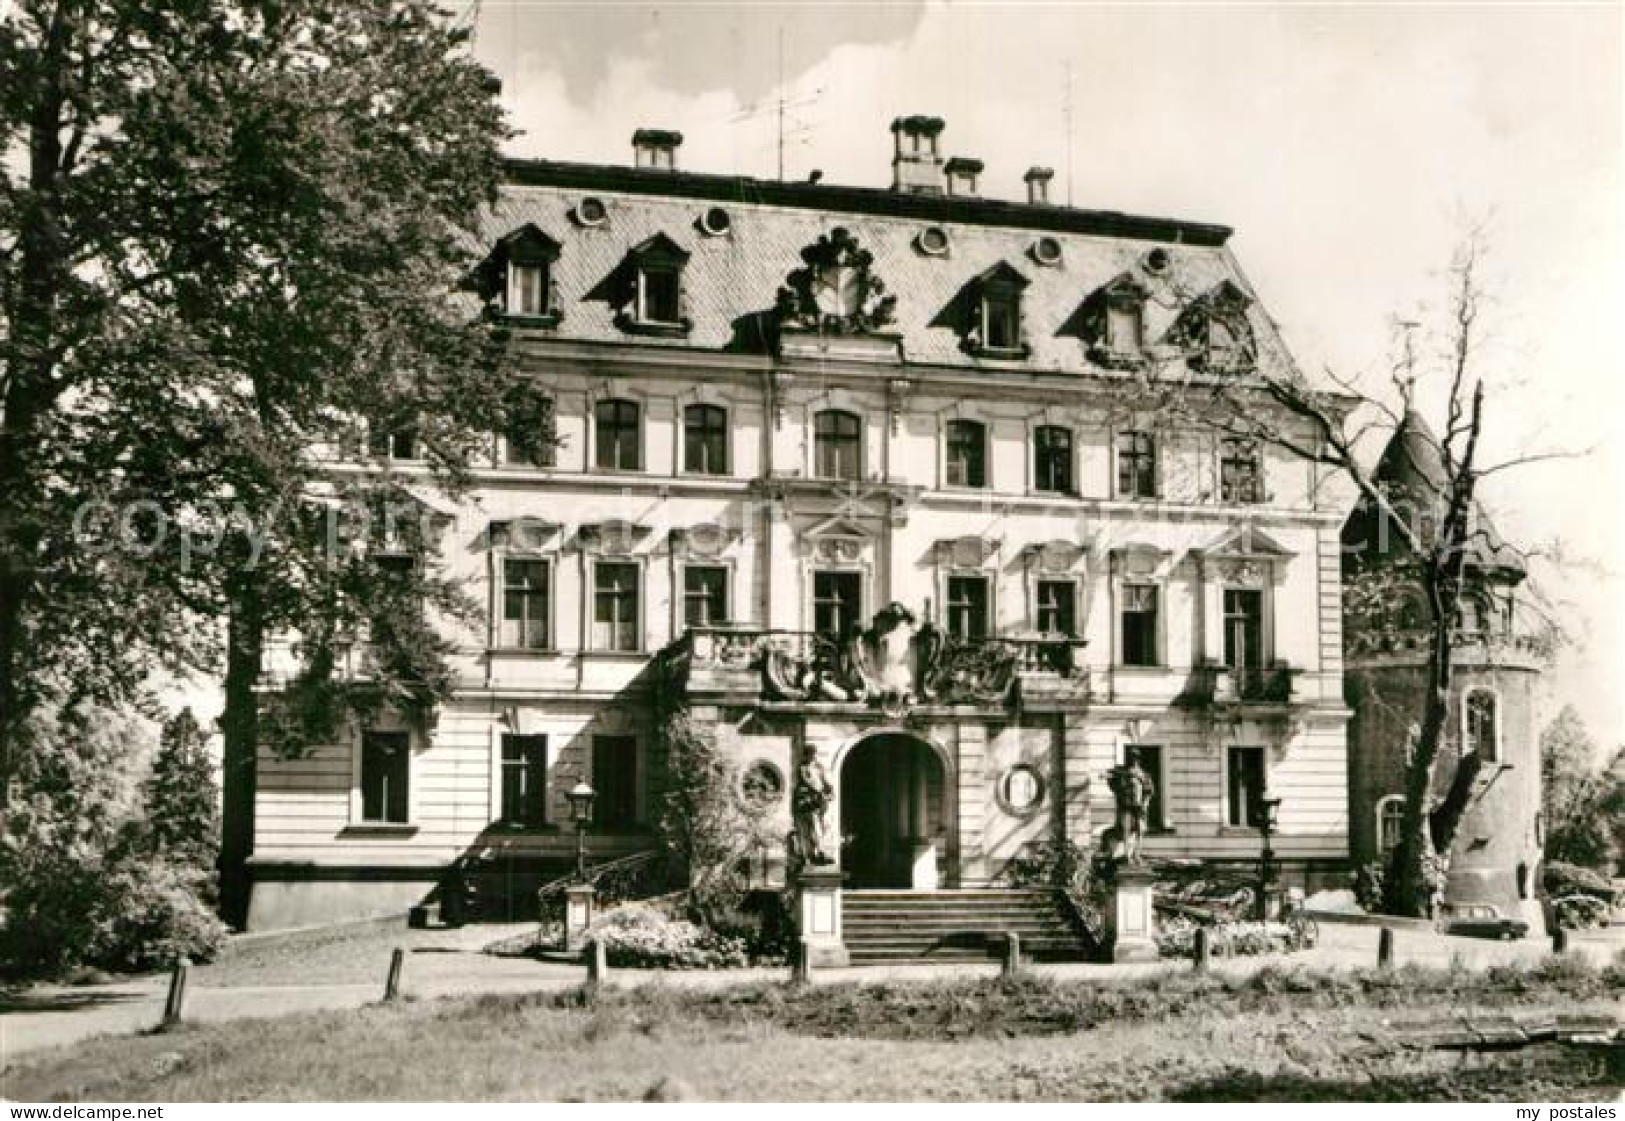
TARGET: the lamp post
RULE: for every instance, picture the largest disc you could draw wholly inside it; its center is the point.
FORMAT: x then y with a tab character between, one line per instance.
581	798
1267	820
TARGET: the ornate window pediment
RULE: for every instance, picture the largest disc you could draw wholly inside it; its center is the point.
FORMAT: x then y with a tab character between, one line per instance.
702	540
1214	332
836	539
836	290
1246	555
968	552
1140	560
614	537
1056	557
527	535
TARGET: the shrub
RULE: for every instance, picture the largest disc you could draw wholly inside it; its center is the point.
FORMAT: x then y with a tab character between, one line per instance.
157	916
640	937
1367	884
763	922
1176	938
1559	878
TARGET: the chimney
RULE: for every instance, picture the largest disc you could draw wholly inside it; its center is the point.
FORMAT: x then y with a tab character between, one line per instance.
1038	185
656	148
962	172
916	167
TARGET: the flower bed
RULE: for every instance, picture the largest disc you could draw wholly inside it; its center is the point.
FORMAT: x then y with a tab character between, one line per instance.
639	937
1176	938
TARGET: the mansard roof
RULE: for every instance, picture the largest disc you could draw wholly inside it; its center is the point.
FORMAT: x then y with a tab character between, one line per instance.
732	277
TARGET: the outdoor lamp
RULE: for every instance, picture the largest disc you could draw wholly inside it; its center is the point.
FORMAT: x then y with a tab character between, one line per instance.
581	798
1272	811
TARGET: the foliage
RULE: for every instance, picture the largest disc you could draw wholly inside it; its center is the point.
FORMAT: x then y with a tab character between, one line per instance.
236	233
1559	878
1176	938
1070	868
1584	807
182	818
709	824
1367	884
85	884
636	936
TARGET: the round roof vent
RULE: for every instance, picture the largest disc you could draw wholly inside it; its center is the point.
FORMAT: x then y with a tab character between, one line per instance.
1157	261
933	241
1047	251
591	211
716	222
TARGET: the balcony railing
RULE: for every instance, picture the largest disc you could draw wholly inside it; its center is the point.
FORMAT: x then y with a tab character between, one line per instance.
1247	684
883	669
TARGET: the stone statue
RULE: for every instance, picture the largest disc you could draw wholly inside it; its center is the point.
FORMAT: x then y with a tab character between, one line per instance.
809	808
1132	787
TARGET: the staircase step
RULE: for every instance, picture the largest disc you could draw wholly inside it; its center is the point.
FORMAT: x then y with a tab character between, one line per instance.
896	927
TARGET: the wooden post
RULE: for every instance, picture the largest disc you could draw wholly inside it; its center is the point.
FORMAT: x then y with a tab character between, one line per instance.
1012	954
175	1004
800	962
392	986
597	963
1202	949
1560	940
1385	948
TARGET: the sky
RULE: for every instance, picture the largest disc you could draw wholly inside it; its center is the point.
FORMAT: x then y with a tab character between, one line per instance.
1351	147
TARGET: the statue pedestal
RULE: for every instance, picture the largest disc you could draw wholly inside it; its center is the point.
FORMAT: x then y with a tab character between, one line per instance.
1131	922
818	916
923	867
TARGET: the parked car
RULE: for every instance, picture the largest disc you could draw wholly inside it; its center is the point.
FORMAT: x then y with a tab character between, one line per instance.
1484	922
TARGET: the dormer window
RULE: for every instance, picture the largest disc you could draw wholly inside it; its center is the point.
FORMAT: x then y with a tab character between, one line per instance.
1240	473
659	295
1215	333
1114	323
652	300
520	274
995	330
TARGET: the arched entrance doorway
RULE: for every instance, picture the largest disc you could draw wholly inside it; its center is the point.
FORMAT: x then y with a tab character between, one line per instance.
892	821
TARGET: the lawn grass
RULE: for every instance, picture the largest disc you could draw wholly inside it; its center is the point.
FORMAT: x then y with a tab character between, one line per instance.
1282	1034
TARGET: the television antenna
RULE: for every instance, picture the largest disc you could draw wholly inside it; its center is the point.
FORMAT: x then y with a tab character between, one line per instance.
788	129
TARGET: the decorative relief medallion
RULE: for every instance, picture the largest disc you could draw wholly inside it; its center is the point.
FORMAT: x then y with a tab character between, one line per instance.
836	290
1020	790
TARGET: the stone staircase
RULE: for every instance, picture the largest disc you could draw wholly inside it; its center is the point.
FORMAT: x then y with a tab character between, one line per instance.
895	927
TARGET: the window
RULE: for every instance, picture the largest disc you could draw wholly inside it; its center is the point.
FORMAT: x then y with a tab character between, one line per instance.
660	288
967	607
1240	476
1052	459
526	588
400	594
1001	320
1243	628
615	607
705	595
524	779
1245	786
1150	760
617	435
1136	465
1480	717
615	779
967	454
836	603
1058	607
1140	625
838	443
527	290
1124	325
385	768
705	440
1225	348
393	442
1389	812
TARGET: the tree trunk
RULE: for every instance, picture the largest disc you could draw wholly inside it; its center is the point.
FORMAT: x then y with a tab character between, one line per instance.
240	724
1408	888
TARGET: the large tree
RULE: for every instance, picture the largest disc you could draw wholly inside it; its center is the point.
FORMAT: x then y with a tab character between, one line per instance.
232	234
1435	534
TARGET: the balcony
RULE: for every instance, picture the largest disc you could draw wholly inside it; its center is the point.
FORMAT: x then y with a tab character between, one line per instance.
1230	686
892	666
